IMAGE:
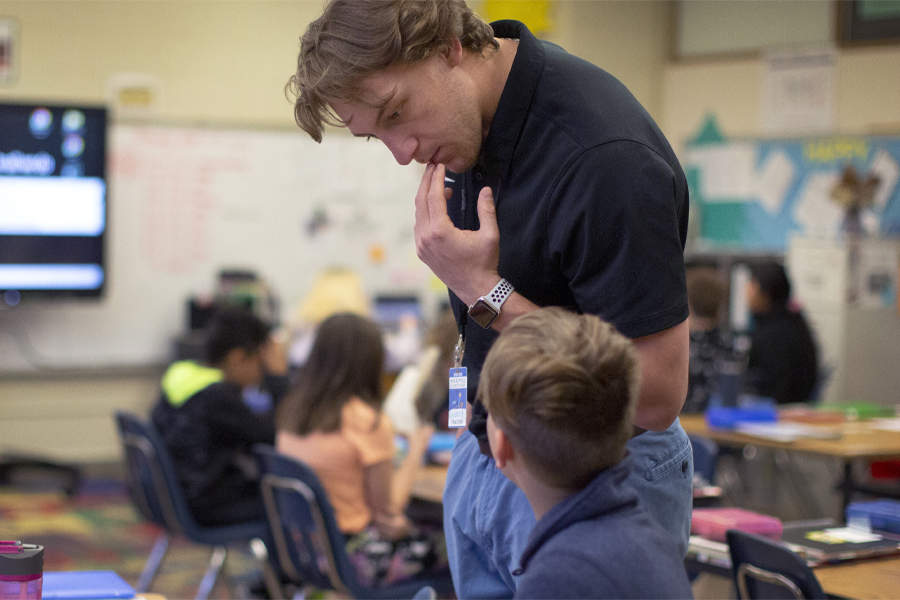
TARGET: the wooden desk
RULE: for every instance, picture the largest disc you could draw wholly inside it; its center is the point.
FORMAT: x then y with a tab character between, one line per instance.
866	579
429	483
858	441
872	579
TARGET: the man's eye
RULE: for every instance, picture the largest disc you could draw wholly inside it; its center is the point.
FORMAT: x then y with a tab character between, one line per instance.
395	115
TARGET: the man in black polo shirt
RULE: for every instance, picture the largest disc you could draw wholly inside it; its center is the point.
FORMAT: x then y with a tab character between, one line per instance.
560	190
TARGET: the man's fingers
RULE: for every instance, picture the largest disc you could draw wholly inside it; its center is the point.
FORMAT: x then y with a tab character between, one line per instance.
422	216
487	212
437	196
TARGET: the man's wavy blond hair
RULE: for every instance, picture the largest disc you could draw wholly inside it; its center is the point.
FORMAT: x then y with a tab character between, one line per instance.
356	38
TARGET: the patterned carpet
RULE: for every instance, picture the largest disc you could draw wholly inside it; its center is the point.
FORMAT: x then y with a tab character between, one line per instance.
98	529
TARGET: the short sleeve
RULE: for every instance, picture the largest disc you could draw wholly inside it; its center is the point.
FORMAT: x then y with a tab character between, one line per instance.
369	431
614	228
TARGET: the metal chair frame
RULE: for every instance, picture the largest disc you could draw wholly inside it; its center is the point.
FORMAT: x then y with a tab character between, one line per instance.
315	540
746	570
167	515
269	483
769	563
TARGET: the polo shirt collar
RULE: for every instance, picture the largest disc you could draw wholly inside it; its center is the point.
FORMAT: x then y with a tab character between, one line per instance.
509	118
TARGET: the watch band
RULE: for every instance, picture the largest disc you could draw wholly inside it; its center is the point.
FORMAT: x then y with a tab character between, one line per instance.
499	294
487	308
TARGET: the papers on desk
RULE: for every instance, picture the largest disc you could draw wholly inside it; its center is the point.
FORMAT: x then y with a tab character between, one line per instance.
708	551
838	535
886	424
780	431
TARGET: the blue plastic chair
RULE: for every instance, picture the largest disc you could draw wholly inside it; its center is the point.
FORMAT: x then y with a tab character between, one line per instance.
763	568
158	497
308	543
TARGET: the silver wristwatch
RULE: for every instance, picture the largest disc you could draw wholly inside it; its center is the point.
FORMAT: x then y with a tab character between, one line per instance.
487	308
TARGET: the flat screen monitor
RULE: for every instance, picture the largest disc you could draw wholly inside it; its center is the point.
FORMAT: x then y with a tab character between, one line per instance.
53	201
390	310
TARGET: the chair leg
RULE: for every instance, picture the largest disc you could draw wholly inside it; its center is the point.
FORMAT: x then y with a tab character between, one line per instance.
213	571
160	548
273	584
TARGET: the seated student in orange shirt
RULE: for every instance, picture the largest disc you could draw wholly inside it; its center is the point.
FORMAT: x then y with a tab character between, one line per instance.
332	421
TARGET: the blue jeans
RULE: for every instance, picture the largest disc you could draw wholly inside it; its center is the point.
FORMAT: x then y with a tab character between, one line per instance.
487	519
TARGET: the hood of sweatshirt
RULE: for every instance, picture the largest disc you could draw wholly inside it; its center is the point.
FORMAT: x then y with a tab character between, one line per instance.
185	378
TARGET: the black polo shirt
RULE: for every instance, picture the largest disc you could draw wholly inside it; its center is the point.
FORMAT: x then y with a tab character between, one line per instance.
592	204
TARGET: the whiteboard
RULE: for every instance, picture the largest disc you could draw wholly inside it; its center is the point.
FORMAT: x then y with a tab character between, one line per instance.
186	202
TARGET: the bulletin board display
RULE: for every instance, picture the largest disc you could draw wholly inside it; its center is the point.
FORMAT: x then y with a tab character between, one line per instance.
753	194
187	202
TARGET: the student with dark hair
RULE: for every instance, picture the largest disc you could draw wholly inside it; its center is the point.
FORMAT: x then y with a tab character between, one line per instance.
207	427
332	420
783	360
710	346
560	390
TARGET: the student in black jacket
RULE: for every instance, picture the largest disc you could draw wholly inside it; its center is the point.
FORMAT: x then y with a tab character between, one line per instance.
207	427
783	360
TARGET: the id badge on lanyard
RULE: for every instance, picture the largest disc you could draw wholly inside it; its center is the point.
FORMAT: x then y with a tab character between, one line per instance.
459	387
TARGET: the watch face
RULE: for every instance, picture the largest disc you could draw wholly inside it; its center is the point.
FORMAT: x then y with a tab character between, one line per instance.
483	313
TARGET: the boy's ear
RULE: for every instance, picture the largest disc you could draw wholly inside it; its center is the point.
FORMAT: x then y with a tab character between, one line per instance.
234	356
502	449
232	361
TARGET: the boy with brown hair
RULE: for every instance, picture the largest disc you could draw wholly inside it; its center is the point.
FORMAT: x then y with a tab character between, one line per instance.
711	347
560	391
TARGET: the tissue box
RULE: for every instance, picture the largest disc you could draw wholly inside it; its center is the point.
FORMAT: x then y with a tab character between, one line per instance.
712	523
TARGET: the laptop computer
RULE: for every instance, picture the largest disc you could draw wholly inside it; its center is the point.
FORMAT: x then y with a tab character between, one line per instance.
825	541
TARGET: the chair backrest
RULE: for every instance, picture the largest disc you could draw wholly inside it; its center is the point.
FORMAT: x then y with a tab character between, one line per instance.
152	479
763	568
426	593
308	542
822	380
706	454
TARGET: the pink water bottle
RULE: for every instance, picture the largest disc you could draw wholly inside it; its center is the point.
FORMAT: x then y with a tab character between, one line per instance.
21	570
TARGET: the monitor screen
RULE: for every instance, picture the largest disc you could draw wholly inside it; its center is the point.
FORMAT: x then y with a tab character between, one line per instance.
389	310
53	201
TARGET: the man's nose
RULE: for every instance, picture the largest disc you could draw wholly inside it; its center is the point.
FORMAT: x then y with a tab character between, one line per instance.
403	149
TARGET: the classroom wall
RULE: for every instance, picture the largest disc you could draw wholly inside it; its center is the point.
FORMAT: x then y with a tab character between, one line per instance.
728	83
718	66
867	89
218	62
226	63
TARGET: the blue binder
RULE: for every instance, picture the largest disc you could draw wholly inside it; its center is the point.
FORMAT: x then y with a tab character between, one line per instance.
85	585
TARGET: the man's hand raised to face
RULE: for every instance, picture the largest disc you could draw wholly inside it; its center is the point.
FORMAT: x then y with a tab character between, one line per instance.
466	261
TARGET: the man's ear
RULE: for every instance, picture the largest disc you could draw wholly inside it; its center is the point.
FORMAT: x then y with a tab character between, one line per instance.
452	52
